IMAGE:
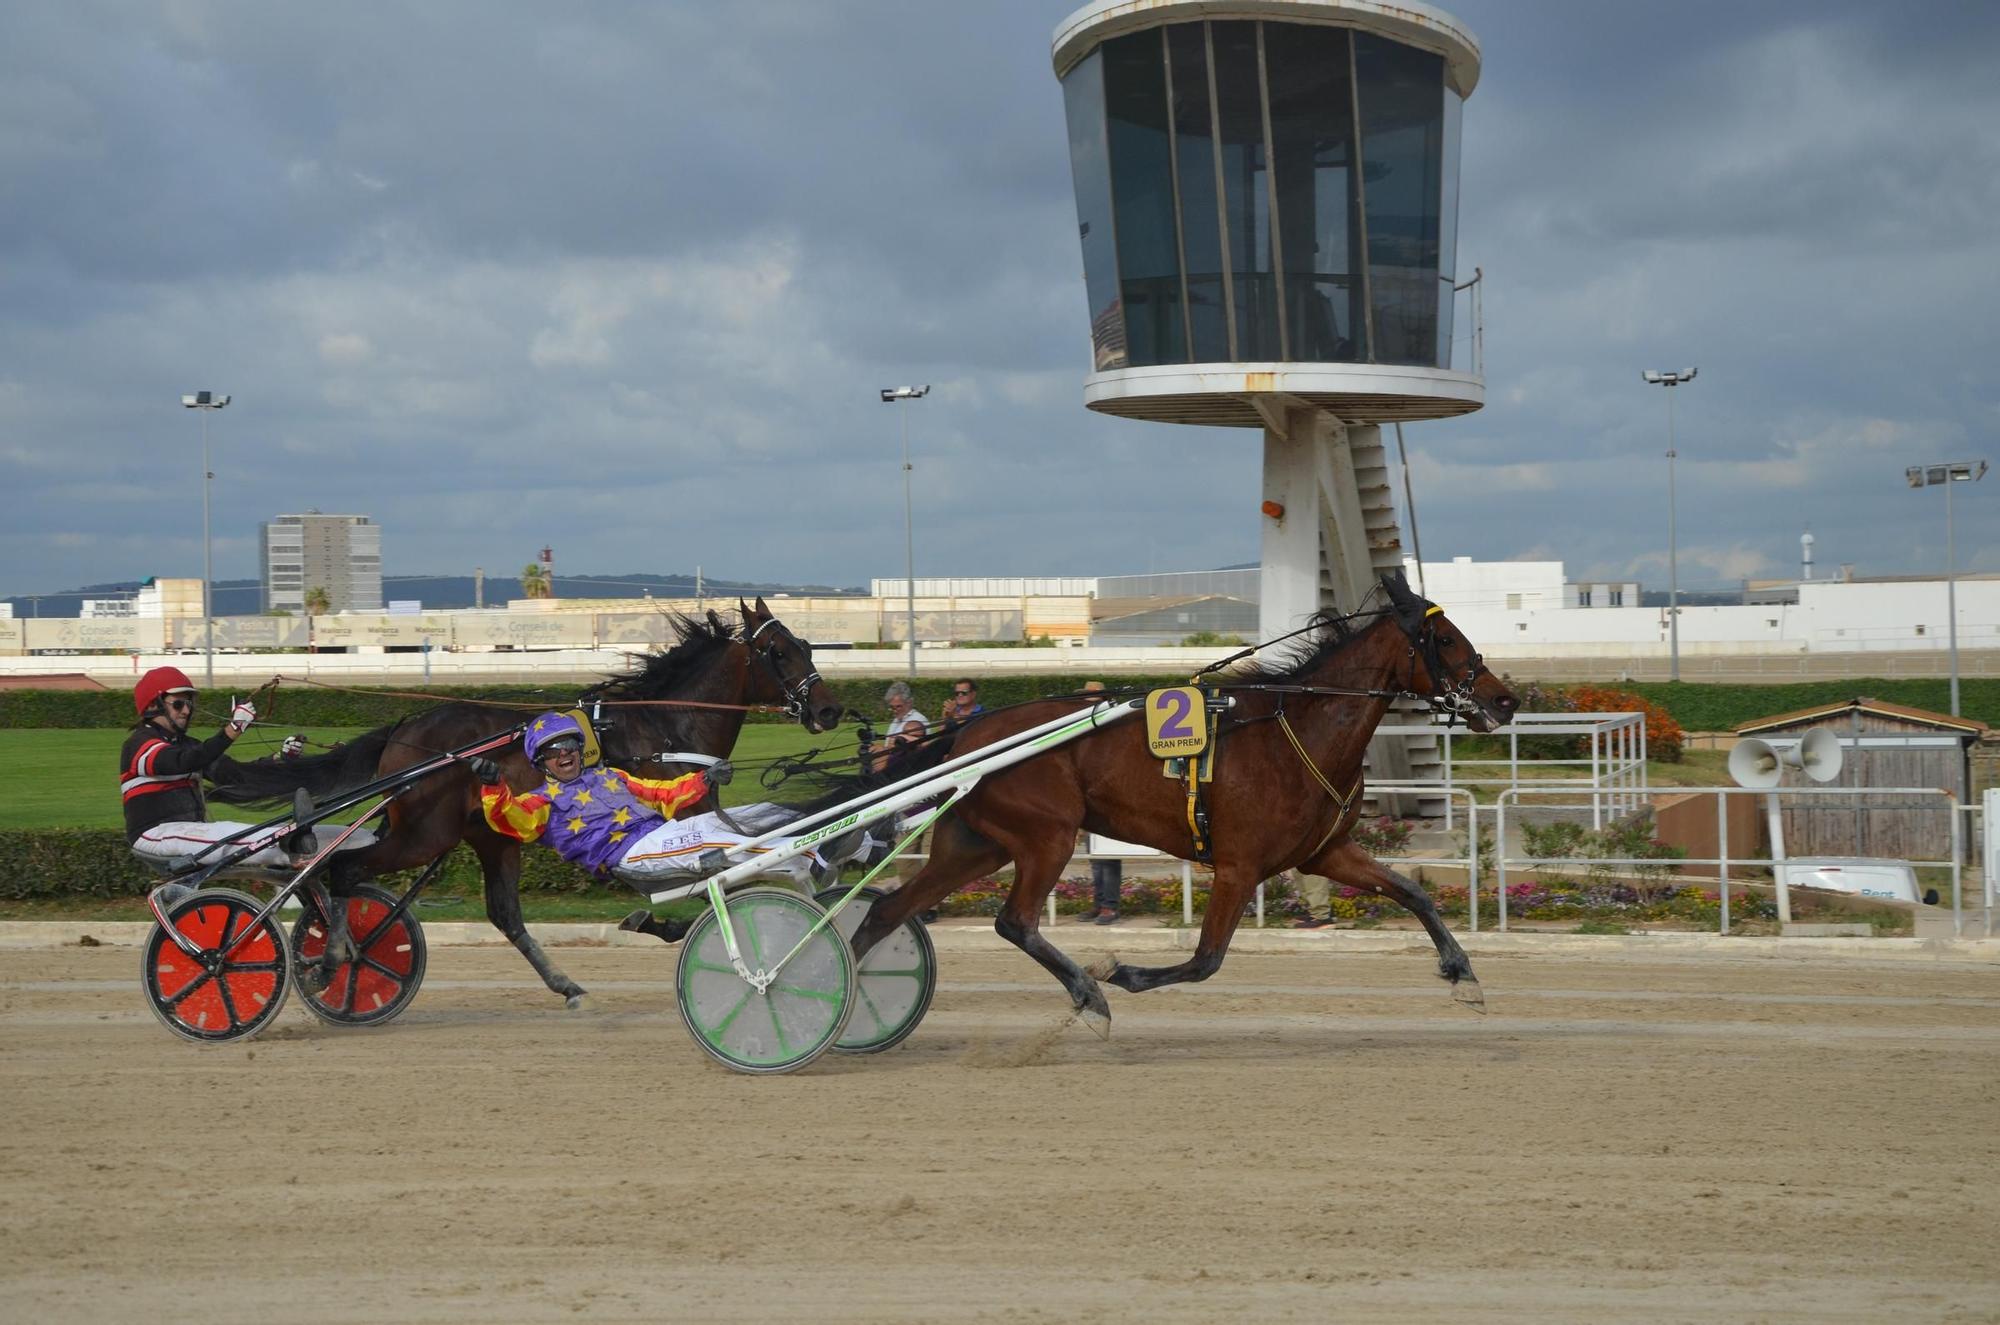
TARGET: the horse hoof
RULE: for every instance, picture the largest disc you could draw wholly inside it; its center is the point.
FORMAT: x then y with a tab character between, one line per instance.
575	1002
1467	993
1103	968
1098	1019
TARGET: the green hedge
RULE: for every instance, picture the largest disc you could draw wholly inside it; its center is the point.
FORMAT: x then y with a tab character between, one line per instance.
95	862
1700	707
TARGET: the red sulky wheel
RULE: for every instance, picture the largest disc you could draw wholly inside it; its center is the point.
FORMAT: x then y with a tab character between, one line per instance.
235	988
384	977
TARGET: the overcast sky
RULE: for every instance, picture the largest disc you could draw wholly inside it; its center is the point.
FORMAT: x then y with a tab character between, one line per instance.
625	279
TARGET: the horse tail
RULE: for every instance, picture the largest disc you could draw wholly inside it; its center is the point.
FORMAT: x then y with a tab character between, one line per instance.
340	769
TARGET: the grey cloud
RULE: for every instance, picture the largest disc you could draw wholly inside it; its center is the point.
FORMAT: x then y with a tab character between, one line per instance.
624	278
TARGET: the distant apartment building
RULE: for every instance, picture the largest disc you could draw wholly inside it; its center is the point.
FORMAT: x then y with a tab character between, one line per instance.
341	554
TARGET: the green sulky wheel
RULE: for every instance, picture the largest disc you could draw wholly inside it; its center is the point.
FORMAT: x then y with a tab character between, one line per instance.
235	988
896	979
384	977
800	1015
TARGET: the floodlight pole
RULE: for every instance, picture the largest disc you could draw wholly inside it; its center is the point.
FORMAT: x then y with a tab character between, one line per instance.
890	395
206	403
1672	379
1950	473
1951	594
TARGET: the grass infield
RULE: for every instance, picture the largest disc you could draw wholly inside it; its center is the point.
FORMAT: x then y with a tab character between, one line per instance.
68	778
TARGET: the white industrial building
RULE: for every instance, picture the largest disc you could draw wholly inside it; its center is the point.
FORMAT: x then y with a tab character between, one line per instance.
1514	605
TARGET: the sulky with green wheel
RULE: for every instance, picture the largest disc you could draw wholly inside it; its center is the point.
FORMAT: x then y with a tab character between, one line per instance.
801	992
236	984
896	979
388	967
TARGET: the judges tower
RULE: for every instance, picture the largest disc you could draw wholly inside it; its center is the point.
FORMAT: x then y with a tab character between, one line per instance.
1267	198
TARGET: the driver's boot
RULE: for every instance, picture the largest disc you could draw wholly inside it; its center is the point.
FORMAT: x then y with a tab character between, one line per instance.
340	949
302	843
645	922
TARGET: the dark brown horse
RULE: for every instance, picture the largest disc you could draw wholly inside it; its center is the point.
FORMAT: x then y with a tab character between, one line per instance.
1274	805
655	709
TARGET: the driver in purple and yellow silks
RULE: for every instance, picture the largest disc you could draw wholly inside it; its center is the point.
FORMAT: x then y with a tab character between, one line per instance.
613	823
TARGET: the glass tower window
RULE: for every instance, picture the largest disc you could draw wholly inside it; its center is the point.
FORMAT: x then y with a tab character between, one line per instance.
1090	171
1142	189
1253	191
1402	142
1201	215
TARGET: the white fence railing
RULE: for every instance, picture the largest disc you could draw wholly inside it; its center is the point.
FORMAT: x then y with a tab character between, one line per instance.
1506	859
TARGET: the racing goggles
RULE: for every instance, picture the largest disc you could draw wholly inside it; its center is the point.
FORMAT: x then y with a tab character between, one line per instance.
561	745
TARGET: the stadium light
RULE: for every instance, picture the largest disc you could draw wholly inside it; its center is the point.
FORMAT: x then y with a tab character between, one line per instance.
890	395
1671	378
207	402
1949	474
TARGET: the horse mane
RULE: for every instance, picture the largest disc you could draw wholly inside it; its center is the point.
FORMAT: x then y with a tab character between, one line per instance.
657	674
1328	633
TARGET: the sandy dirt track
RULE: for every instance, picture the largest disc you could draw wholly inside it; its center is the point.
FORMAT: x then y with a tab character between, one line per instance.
1302	1138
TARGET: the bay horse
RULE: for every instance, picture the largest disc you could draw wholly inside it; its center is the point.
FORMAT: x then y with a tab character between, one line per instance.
1286	792
655	708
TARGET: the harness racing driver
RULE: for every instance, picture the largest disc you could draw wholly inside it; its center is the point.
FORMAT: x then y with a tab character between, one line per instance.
159	776
613	823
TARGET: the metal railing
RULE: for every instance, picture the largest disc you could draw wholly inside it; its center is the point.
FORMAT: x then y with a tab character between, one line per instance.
1616	758
1504	859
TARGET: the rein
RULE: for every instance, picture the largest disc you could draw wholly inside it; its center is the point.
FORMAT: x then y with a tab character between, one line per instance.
522	704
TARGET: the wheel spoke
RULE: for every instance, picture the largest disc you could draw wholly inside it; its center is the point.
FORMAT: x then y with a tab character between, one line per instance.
722	1027
696	964
800	991
228	1003
778	1029
189	988
353	984
881	1022
397	978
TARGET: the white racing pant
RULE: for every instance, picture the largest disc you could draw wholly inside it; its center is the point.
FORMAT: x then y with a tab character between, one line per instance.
170	846
673	850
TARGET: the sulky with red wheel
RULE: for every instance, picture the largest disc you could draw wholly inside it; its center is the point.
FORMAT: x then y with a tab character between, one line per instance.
387	969
233	982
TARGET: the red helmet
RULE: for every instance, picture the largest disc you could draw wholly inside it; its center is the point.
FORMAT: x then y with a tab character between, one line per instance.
157	683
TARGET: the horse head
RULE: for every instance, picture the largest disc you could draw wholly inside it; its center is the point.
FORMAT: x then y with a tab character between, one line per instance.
1444	667
786	662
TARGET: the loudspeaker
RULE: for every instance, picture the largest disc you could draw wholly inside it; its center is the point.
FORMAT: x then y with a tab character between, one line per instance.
1754	764
1819	755
1759	765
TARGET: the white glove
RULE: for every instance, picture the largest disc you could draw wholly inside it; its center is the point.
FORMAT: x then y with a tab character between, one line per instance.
293	745
243	715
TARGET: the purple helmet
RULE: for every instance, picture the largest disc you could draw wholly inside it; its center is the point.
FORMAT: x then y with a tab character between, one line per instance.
548	728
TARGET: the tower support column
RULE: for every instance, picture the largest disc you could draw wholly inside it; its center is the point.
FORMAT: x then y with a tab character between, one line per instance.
1336	535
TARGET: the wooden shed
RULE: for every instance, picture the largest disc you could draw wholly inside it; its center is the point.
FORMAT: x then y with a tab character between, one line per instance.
1882	745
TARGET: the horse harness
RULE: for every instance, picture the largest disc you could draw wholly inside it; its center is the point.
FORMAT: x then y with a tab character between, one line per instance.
1456	699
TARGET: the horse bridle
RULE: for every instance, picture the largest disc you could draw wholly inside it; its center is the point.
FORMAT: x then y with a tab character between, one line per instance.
1455	698
797	693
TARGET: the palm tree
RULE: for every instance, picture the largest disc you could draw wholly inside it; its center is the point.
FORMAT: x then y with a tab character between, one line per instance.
534	580
318	603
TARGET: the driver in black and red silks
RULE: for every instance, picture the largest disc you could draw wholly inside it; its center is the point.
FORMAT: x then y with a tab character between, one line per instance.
160	770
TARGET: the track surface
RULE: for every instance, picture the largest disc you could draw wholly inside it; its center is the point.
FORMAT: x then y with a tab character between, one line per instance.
1303	1137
